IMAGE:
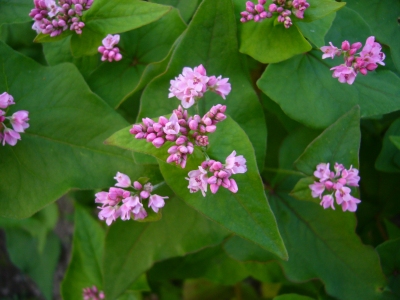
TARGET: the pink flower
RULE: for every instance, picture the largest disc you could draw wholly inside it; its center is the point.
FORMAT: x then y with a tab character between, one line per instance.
198	181
351	204
172	127
344	74
6	100
10	137
110	41
156	202
19	120
235	164
327	201
142	214
330	51
317	188
123	180
109	213
322	172
219	85
92	294
371	53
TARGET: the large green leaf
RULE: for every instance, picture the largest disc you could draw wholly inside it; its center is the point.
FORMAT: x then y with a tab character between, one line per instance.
39	265
87	250
338	143
292	297
15	11
246	213
321	244
211	40
315	31
389	158
389	253
63	147
268	43
387	32
304	88
141	47
319	9
132	247
186	7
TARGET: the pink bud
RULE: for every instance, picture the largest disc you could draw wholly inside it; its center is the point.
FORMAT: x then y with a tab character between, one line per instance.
345	46
272	7
144	194
150	137
137	185
158	142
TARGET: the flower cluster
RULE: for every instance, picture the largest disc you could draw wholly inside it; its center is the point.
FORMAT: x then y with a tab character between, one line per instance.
108	50
193	83
367	60
18	121
118	202
92	293
221	173
335	184
185	131
52	18
283	8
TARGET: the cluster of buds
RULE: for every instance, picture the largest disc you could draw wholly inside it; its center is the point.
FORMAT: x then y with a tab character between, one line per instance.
108	50
191	85
335	184
92	293
283	8
52	18
185	131
354	63
118	202
221	174
18	121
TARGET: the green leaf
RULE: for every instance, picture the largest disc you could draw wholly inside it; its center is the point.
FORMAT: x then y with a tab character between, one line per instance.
141	47
389	253
248	209
40	266
338	143
315	31
186	7
108	17
271	44
84	269
373	14
131	247
211	40
38	226
348	26
389	158
321	244
395	140
15	11
304	88
63	147
292	297
319	9
302	191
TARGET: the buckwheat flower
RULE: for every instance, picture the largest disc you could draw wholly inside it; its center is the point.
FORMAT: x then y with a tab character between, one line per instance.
322	172
123	180
198	181
328	201
330	51
344	74
110	41
317	188
10	137
156	202
172	127
371	53
219	85
6	100
109	213
350	205
19	120
236	164
92	293
142	214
